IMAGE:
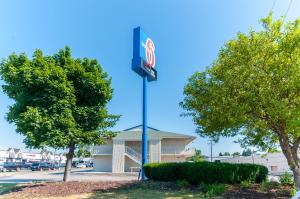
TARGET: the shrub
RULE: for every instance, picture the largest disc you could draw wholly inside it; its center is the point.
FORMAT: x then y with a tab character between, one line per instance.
245	184
212	189
286	179
269	185
182	183
206	172
293	191
215	190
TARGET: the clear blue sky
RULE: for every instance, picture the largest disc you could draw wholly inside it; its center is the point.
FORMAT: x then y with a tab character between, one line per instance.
187	35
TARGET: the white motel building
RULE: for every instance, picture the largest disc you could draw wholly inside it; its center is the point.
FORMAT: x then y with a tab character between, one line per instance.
123	152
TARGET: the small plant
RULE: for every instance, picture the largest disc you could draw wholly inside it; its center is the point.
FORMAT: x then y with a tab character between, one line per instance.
213	189
293	191
286	179
182	183
265	186
245	184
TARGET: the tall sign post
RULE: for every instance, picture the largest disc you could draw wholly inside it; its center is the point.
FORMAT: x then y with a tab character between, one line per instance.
143	63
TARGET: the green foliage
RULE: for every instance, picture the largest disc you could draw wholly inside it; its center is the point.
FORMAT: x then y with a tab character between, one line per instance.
212	190
245	184
216	190
226	154
247	152
252	88
293	191
182	183
59	101
83	152
198	157
286	179
206	172
267	185
236	154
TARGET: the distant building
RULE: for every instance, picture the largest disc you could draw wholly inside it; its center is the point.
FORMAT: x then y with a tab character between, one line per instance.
3	155
275	162
16	155
215	158
123	152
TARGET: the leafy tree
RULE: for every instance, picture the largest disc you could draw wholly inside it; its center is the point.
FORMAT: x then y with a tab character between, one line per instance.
83	152
226	154
236	154
198	157
60	102
220	154
253	89
247	152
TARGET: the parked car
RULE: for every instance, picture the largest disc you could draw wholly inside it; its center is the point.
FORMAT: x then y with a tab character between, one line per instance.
89	164
26	165
53	166
40	166
2	167
12	166
80	165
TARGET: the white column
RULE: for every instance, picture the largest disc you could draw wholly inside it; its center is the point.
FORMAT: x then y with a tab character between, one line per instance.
118	156
154	151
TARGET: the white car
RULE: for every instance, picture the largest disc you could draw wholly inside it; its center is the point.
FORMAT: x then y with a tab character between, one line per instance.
80	165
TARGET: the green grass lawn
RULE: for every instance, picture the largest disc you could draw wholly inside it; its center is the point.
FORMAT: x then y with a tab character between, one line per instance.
140	193
6	187
156	190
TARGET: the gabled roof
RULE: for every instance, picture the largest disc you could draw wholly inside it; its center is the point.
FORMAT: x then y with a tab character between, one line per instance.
15	150
139	127
135	133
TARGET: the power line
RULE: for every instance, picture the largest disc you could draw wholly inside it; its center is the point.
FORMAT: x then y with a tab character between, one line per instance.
274	2
290	4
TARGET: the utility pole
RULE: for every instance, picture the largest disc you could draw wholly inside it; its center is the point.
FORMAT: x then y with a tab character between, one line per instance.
211	149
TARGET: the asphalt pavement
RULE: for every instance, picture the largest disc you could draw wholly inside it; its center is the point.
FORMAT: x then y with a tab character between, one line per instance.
26	176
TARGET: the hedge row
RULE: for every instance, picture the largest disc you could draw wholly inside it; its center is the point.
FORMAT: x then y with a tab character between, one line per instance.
206	172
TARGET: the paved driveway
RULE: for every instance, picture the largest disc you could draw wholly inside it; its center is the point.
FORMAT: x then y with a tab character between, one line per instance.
54	176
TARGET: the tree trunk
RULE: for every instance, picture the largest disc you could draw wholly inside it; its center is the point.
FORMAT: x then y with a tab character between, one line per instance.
290	151
296	173
68	166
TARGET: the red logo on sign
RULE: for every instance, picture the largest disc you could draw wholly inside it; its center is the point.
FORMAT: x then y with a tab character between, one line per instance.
150	53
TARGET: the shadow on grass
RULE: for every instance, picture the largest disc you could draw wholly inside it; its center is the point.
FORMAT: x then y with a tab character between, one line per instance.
148	190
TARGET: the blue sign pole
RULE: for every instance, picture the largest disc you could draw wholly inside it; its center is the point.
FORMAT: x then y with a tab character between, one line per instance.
144	135
143	63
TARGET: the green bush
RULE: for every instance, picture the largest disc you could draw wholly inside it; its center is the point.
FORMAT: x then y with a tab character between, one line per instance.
182	183
267	185
286	179
206	172
216	190
245	184
212	189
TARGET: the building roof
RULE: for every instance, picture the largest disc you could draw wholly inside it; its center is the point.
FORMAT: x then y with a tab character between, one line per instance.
135	133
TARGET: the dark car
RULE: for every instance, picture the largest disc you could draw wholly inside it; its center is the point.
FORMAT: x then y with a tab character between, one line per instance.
53	166
12	166
2	166
26	165
89	164
40	166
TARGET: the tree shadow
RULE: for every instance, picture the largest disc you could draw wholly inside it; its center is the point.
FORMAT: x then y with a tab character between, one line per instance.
20	187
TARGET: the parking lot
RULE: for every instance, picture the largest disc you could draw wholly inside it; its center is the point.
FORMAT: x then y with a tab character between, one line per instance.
27	176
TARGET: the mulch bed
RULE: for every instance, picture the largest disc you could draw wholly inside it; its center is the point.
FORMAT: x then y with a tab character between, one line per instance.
73	188
253	192
55	189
